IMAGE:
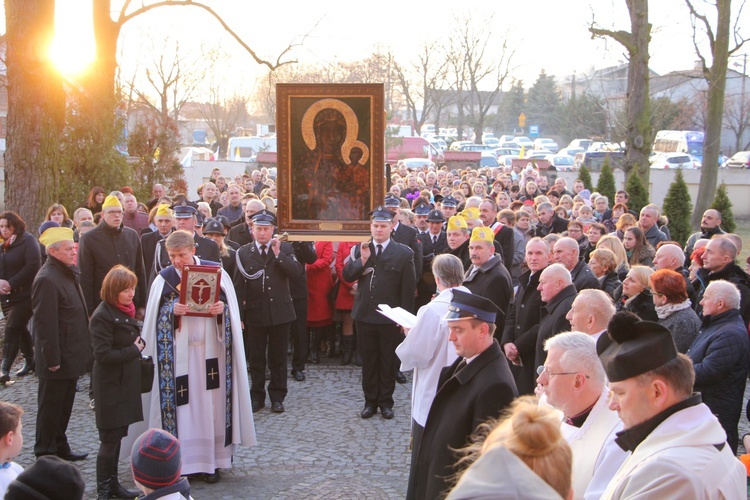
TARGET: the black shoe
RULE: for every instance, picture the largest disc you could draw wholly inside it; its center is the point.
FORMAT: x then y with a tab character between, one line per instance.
277	407
28	367
73	457
298	375
212	478
258	405
368	412
387	413
400	377
116	490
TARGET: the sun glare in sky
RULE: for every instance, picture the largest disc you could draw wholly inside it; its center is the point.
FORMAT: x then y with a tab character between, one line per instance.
72	49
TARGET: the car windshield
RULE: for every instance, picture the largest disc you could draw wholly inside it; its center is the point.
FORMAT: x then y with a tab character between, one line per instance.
563	160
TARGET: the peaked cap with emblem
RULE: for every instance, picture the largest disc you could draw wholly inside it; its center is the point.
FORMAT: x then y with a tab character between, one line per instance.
466	305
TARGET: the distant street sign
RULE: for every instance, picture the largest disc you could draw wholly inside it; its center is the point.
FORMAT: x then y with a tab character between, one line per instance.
522	120
533	130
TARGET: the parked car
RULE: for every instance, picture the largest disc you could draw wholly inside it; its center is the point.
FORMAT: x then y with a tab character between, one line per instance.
741	159
524	141
580	143
491	141
673	161
477	147
456	145
548	144
570	151
562	163
507	151
506	138
418	163
488	159
510	144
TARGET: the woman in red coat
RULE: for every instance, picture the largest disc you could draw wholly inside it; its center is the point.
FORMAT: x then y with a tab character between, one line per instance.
345	300
319	286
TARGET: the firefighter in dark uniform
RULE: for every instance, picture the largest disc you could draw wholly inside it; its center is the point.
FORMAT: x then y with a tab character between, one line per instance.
433	243
263	271
384	272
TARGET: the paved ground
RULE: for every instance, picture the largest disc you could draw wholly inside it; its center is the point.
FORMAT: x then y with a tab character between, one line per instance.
318	448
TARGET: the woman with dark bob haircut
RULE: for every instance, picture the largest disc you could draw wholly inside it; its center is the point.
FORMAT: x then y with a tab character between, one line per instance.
95	199
19	262
117	343
673	307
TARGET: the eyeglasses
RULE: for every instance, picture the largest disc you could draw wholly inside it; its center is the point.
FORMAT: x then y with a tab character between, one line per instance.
543	369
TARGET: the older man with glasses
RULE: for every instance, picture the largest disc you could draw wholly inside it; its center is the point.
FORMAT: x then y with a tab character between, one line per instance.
572	380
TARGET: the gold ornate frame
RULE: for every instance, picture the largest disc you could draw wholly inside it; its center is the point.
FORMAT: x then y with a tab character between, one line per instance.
326	194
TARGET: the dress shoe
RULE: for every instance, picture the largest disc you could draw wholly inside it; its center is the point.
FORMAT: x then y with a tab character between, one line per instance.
299	376
387	413
400	377
71	456
258	405
28	367
368	412
277	407
212	478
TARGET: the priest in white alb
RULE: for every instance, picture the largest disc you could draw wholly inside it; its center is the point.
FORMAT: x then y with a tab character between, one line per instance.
200	392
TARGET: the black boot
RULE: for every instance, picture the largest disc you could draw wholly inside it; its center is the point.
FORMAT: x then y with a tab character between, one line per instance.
347	342
330	334
27	349
315	347
103	476
10	351
116	490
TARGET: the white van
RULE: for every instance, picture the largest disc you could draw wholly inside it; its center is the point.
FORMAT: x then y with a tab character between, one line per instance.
243	148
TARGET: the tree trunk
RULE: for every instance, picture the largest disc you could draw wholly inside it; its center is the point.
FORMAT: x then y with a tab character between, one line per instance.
716	77
36	106
638	135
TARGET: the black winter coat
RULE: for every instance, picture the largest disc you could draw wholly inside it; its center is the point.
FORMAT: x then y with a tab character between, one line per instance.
117	373
103	248
642	305
583	278
60	322
610	282
389	279
720	355
465	399
522	328
733	274
492	281
19	264
553	321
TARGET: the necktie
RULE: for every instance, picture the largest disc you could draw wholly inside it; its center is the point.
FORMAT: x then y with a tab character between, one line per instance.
434	239
380	250
263	252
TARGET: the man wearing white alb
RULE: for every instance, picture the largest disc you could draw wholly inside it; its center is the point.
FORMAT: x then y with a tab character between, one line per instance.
426	348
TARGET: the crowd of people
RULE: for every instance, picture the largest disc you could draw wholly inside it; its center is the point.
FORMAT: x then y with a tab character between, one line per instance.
577	319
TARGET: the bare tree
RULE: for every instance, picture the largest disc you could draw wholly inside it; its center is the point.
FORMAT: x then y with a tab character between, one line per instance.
638	124
737	119
718	35
417	82
479	60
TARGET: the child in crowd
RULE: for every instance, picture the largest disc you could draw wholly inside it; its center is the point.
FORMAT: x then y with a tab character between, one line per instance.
586	217
11	442
156	462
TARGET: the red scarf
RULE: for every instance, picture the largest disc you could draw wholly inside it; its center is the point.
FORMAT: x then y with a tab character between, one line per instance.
129	310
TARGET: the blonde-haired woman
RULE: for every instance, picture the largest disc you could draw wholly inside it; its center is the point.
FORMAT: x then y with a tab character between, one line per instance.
523	456
614	244
635	294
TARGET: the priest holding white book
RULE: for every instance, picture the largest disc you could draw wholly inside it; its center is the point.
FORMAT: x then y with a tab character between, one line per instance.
426	348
